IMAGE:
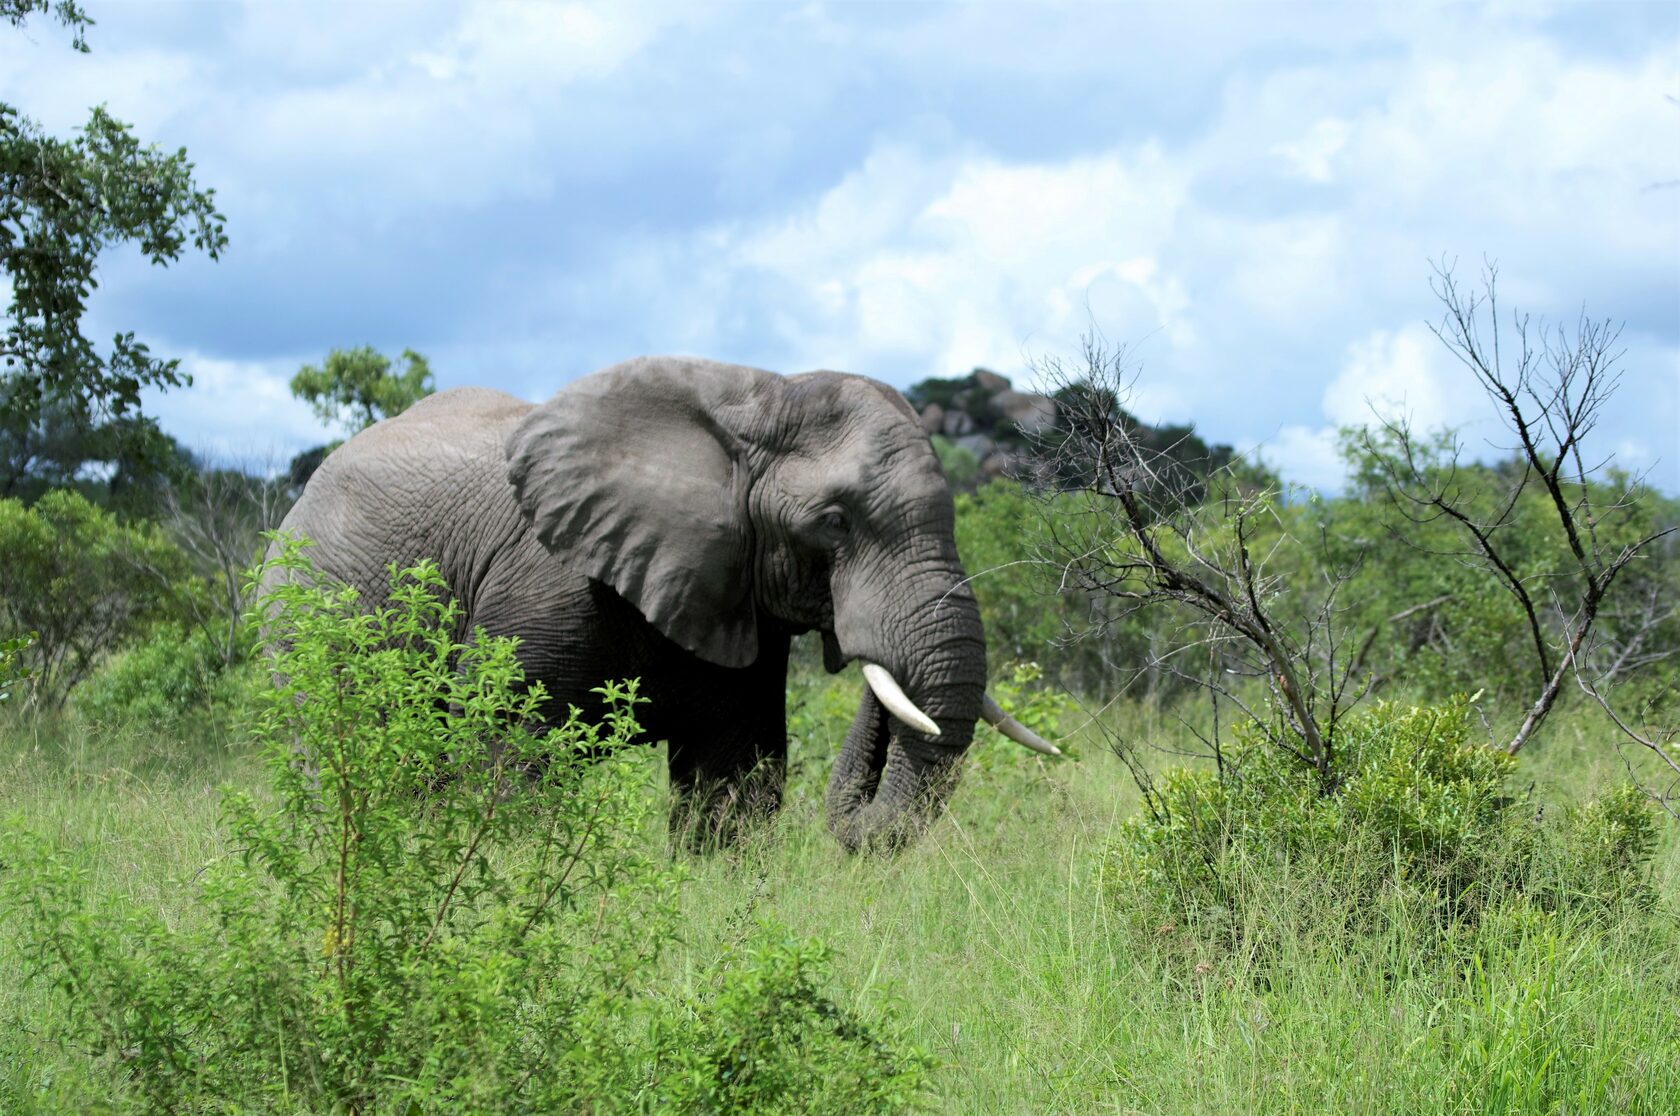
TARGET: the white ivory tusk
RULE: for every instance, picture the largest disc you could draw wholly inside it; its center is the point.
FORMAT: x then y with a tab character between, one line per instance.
1015	730
892	696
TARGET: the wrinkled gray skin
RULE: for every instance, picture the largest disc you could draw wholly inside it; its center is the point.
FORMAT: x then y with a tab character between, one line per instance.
678	521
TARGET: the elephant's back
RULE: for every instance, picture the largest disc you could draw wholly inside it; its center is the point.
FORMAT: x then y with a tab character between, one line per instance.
428	483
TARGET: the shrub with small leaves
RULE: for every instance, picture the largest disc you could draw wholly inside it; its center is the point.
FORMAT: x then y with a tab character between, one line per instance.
12	668
417	914
1597	852
86	583
156	684
1412	806
1021	689
766	1035
433	907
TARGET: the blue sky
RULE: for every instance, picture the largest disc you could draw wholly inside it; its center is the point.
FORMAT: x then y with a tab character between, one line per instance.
1247	194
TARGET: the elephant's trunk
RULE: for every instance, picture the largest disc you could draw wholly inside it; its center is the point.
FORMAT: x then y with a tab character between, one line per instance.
891	779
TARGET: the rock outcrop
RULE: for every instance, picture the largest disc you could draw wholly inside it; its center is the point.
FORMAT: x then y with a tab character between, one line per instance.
984	428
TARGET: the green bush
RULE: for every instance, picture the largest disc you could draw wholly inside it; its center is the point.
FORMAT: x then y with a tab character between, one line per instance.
437	910
12	669
1412	807
766	1037
1597	854
85	582
160	682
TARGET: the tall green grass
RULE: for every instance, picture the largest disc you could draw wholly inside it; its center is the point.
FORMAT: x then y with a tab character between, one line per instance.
998	939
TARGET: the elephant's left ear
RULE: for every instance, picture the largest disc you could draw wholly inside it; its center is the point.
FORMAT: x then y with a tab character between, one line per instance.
635	476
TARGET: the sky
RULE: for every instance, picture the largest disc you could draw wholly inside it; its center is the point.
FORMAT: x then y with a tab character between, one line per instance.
1249	196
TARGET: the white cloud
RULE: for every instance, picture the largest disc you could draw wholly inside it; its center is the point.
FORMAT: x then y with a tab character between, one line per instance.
953	262
1392	375
923	192
238	411
1253	299
524	45
1307	456
1313	155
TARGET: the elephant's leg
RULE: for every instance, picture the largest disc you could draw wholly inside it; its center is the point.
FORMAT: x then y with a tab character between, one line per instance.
718	789
728	751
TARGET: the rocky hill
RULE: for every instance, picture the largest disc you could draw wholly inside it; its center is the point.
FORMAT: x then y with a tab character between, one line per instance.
983	428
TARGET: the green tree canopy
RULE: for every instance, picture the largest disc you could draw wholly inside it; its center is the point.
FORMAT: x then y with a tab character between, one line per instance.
85	583
63	202
122	462
355	388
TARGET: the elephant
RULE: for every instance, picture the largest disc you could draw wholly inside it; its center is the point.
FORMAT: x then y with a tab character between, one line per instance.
679	521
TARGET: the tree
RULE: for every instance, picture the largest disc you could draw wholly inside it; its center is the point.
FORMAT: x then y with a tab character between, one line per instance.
1135	523
125	462
83	582
63	202
355	388
1550	385
218	517
1260	586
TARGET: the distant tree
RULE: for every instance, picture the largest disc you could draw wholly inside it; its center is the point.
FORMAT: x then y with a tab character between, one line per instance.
303	466
62	202
85	583
123	462
962	467
355	388
217	517
1545	568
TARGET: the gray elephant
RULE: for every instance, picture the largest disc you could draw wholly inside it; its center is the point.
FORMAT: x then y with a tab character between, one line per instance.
679	521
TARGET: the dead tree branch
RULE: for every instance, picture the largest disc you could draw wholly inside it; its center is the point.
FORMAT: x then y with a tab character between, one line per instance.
1550	385
1137	527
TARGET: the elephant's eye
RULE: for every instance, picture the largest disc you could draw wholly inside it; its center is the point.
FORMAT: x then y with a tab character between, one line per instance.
834	521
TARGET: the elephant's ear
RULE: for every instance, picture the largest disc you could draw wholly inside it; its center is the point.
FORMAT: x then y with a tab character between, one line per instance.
635	476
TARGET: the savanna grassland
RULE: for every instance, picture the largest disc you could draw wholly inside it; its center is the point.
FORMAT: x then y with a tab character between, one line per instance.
999	942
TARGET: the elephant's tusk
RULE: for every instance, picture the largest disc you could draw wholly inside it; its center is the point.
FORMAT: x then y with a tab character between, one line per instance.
892	696
1015	730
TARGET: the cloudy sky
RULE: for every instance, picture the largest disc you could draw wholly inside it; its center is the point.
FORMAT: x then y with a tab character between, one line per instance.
1249	195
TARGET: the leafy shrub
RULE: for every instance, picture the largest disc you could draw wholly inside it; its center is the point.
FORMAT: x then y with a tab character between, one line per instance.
767	1037
12	670
441	910
85	582
159	682
1597	853
1412	806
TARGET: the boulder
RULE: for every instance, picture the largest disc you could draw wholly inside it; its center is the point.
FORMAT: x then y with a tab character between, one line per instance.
990	382
957	423
933	418
1033	413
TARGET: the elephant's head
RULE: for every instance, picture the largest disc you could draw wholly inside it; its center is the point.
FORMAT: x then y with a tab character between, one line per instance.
712	497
